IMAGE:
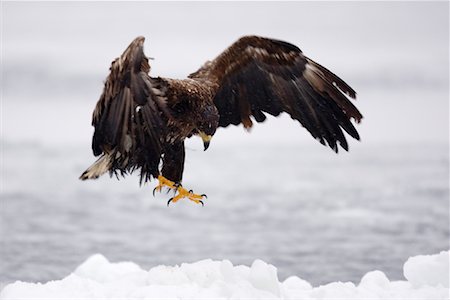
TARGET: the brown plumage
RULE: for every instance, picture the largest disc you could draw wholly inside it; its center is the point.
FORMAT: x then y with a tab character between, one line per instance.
141	120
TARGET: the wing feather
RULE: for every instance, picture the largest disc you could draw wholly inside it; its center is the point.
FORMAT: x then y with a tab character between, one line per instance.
256	75
131	116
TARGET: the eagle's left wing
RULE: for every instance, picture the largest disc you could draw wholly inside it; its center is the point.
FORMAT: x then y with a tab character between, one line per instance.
258	75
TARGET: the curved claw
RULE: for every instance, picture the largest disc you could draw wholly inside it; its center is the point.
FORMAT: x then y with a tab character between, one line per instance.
168	202
154	191
201	202
191	191
204	195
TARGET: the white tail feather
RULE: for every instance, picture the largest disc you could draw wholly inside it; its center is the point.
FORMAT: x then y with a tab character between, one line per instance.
100	167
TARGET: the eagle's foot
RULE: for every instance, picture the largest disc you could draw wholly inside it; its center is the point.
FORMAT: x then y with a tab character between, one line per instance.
162	182
183	193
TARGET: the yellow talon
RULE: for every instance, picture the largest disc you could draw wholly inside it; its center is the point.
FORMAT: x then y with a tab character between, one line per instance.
182	192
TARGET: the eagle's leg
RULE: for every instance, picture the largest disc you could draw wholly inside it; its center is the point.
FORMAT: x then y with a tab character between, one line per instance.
162	182
173	165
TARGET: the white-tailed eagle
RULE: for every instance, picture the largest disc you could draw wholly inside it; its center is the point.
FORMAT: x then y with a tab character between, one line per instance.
141	121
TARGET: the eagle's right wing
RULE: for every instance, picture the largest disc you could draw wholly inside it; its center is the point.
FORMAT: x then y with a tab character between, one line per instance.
130	117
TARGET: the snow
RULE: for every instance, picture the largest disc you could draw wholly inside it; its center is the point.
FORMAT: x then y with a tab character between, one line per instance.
427	278
430	270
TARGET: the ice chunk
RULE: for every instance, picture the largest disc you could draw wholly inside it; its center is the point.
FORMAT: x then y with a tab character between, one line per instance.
431	270
335	290
203	272
296	283
226	268
99	269
166	275
264	277
97	278
375	280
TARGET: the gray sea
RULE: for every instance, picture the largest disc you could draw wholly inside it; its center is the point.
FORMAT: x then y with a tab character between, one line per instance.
303	209
275	193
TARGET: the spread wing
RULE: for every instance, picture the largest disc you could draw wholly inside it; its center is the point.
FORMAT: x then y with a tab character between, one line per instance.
258	75
129	118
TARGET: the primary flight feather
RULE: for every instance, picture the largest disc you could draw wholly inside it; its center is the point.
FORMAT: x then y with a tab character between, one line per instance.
141	120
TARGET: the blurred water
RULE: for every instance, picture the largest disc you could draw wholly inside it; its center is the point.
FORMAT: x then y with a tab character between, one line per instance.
305	210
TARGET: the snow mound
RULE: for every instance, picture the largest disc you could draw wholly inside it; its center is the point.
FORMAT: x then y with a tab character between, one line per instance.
427	278
431	270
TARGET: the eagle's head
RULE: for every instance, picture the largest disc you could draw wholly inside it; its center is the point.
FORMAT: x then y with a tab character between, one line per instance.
207	124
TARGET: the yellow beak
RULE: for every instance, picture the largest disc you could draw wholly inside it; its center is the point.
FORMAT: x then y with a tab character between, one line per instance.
206	139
